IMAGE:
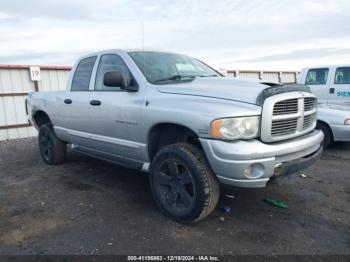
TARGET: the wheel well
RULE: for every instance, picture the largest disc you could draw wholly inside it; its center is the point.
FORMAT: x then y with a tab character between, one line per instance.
41	118
326	125
165	134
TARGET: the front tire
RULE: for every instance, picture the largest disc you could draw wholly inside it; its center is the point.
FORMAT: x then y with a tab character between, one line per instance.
183	185
52	149
328	135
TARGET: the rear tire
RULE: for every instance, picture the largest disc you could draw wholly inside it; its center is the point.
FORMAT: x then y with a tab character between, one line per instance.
183	185
52	149
328	135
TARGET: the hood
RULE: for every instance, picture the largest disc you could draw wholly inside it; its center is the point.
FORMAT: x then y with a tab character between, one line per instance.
217	87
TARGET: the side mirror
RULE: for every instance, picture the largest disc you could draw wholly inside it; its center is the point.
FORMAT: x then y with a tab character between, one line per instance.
118	79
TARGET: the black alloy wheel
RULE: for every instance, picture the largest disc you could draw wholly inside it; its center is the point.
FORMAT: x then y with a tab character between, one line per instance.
175	186
183	185
46	145
52	149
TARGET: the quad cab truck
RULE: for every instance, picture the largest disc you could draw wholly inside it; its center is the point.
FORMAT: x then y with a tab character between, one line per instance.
331	85
180	120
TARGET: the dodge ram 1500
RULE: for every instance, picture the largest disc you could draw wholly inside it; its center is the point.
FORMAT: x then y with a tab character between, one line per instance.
180	120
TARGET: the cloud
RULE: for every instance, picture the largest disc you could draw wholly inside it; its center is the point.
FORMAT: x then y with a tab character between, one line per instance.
54	9
226	33
301	54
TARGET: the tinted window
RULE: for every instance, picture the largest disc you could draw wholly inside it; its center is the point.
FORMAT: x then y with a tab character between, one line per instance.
342	75
110	63
81	78
317	76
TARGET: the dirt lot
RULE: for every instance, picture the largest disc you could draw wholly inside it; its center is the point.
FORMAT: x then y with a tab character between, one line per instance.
86	206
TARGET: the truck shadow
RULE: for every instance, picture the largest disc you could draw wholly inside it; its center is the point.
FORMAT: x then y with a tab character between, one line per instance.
339	146
86	173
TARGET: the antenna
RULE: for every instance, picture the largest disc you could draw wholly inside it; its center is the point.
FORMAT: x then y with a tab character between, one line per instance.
142	35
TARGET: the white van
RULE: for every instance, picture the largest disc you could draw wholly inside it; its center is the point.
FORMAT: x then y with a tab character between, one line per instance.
331	84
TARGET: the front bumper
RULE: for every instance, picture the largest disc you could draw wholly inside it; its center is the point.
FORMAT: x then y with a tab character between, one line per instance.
341	132
233	161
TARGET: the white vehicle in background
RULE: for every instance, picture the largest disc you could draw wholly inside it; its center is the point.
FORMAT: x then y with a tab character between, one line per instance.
334	121
331	85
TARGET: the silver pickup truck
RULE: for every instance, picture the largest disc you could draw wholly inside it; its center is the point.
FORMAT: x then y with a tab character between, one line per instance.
180	120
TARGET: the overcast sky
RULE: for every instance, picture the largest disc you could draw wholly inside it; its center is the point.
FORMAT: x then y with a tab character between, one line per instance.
231	34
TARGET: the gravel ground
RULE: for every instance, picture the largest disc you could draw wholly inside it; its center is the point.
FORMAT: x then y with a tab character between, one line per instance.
87	206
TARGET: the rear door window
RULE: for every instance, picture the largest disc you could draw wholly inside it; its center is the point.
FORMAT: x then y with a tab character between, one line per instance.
82	75
342	75
317	76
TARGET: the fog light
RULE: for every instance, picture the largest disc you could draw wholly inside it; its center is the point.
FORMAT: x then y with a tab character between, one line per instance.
254	171
347	122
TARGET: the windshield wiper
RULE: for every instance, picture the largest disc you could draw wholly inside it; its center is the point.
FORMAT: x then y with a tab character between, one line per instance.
173	77
208	76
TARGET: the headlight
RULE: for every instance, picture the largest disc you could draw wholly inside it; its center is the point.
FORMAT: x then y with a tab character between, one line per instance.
347	122
236	128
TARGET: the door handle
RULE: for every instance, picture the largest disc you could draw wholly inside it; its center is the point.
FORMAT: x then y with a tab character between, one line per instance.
331	90
95	102
67	101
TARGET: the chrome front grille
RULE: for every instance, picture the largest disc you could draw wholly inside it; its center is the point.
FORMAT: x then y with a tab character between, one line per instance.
309	103
289	106
288	115
284	127
308	121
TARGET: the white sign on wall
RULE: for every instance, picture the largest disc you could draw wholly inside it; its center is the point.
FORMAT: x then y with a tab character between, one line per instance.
35	73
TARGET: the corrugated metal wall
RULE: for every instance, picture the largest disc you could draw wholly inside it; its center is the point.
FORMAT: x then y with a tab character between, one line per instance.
268	76
15	83
289	77
248	75
271	77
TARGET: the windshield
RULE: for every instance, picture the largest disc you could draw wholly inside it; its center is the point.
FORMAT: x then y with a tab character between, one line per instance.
165	68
